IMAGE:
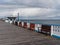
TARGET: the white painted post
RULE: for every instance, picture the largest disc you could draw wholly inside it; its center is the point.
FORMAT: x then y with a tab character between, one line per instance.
28	25
38	27
22	24
18	23
51	30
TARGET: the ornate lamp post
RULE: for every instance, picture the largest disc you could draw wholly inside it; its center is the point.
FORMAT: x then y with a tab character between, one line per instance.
18	16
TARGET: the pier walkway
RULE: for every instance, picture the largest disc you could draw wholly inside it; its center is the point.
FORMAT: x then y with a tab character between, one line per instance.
14	35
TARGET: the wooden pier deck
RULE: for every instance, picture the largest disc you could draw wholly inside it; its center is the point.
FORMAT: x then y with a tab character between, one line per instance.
14	35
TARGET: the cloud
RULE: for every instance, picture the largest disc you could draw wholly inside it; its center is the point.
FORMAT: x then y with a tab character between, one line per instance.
31	8
33	3
36	13
31	11
39	13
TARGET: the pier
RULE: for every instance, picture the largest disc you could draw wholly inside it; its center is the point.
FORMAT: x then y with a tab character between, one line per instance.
13	35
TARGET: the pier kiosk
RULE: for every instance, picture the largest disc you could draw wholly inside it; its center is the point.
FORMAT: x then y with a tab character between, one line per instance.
55	31
20	24
32	26
38	27
25	25
46	29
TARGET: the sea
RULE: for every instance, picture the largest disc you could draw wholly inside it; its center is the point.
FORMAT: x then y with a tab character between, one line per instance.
46	22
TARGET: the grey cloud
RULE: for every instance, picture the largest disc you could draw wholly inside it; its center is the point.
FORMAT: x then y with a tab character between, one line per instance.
11	5
33	3
29	3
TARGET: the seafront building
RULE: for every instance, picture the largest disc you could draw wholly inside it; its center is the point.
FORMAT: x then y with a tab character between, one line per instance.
9	19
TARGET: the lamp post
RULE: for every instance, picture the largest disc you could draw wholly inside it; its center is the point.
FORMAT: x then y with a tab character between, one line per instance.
18	16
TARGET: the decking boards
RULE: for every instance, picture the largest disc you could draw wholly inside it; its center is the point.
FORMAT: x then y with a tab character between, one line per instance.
13	35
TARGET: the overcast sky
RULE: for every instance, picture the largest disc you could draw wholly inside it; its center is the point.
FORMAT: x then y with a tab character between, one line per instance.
42	9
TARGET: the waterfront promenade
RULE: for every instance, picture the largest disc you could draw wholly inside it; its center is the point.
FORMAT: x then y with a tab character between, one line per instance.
14	35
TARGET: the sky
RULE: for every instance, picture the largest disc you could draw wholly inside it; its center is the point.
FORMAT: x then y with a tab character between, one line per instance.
34	9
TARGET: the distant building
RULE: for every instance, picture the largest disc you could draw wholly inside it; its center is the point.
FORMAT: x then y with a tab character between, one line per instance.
10	19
